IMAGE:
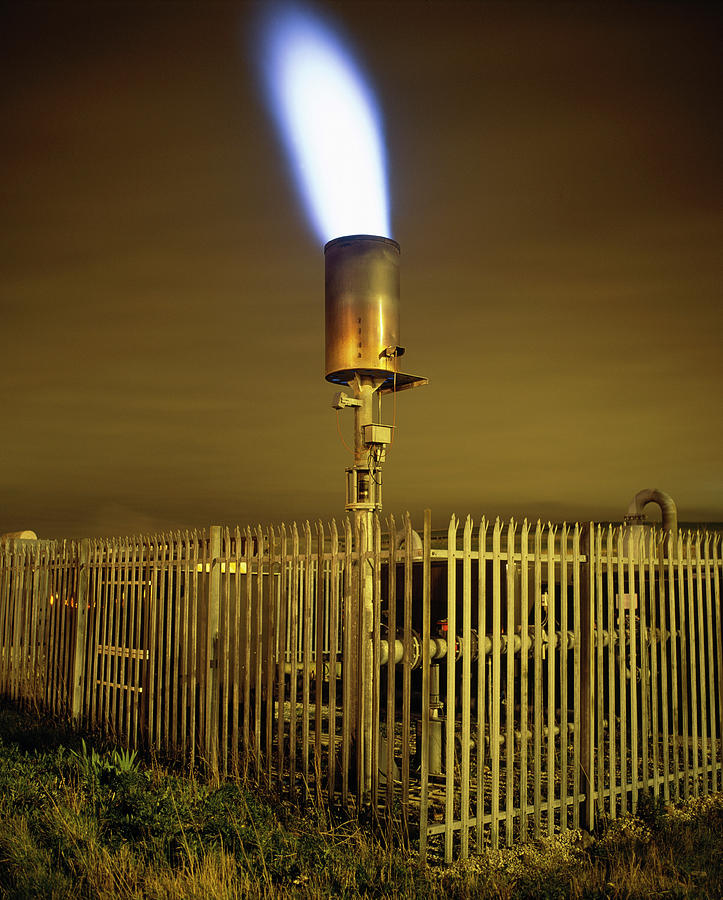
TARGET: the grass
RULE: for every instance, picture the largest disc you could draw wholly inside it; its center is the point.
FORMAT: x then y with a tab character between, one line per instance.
81	819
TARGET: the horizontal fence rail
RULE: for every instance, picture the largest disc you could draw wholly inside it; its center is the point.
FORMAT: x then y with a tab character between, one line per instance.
490	684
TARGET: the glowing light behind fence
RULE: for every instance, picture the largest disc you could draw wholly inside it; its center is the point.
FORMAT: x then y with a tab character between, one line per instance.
329	123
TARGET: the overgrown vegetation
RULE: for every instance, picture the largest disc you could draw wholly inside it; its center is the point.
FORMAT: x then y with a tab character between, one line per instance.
80	818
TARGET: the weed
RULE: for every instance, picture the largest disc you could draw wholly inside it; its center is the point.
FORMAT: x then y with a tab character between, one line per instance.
94	767
124	761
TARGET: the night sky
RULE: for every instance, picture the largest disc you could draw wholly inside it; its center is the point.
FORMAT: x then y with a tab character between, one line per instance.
556	189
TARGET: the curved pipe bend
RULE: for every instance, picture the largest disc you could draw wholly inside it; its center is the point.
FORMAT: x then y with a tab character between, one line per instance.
666	503
401	541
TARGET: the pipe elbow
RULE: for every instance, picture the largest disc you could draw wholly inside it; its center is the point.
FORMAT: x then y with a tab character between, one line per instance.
401	541
26	535
666	503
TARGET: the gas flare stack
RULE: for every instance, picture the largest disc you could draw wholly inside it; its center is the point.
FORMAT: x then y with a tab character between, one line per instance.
362	353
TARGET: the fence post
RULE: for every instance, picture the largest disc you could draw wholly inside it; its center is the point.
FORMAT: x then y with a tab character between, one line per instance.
587	680
81	628
212	649
16	658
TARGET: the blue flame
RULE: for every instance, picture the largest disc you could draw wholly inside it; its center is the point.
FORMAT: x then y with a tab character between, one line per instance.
329	122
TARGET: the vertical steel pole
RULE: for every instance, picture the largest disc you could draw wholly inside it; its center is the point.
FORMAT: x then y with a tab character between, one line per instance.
363	626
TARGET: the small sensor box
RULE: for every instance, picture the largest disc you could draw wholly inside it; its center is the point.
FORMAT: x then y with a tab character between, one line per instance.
377	434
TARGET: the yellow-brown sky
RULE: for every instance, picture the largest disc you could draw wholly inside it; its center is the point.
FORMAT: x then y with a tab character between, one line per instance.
556	190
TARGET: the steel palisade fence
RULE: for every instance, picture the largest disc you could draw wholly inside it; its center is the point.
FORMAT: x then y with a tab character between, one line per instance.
513	679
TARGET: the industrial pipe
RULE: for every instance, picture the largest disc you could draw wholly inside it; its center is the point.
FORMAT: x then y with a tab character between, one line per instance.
401	541
518	736
437	650
438	646
636	516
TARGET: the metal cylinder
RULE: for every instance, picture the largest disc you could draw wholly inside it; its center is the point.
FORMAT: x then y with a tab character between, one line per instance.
362	306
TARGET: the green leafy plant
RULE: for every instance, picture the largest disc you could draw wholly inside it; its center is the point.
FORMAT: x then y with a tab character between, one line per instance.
124	761
91	764
94	766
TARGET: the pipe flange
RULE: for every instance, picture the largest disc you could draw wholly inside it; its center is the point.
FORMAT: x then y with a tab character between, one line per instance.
416	661
474	645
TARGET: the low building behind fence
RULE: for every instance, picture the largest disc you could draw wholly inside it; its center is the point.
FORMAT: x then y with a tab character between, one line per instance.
497	682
